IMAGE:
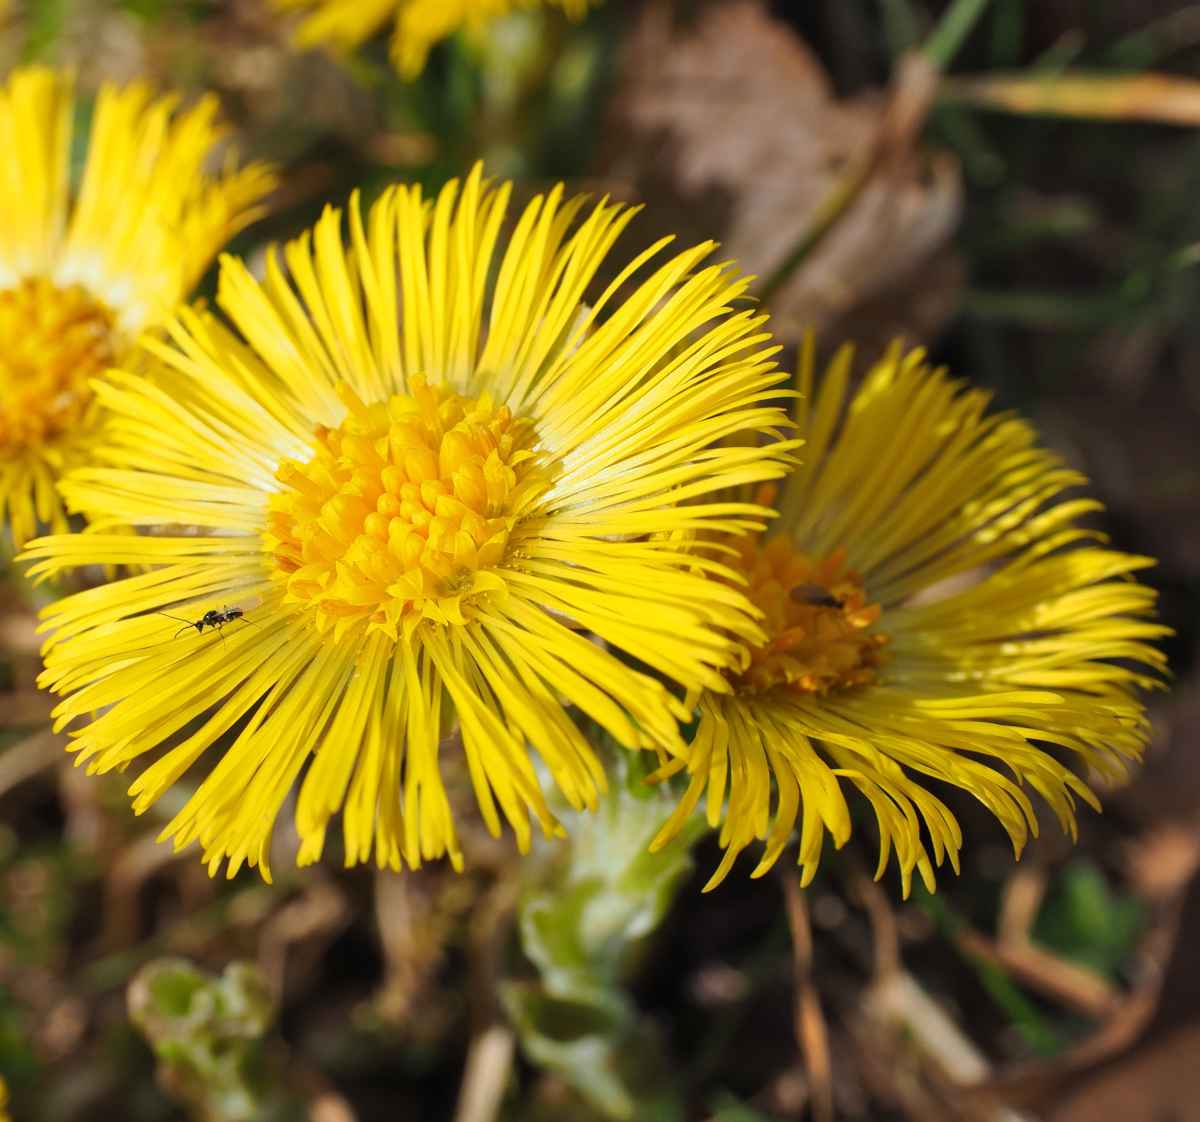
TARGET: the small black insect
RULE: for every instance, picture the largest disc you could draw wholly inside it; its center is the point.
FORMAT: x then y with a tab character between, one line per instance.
815	595
214	618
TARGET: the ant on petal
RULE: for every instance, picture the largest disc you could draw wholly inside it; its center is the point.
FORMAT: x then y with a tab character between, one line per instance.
214	618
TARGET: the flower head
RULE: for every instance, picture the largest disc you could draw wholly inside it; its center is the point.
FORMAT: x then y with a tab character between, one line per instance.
405	481
419	24
82	273
934	612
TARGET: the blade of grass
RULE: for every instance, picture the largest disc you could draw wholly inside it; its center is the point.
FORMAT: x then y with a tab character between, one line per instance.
952	31
1100	97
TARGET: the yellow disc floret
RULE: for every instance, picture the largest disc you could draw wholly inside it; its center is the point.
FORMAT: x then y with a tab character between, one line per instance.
405	510
52	341
816	616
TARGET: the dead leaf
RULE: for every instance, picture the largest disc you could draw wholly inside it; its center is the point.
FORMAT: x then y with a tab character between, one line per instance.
727	127
1151	1085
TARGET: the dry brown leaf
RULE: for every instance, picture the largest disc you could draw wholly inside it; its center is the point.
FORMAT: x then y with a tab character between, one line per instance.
1151	1085
727	127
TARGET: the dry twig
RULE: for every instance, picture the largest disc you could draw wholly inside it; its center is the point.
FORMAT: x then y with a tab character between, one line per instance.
811	1033
490	1057
489	1064
886	935
1014	951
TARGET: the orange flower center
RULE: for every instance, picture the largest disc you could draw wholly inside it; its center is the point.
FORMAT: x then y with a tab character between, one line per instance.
816	616
405	510
52	341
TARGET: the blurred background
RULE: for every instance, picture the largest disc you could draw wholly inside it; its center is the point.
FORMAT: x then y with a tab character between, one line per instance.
1014	185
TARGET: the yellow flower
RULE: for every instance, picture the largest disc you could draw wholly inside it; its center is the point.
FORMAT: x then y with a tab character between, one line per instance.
419	24
423	470
82	274
934	612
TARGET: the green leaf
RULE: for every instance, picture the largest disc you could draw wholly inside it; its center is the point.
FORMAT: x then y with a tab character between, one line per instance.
1084	920
206	1033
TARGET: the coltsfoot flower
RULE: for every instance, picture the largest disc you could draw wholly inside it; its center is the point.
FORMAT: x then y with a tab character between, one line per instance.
425	470
82	273
418	24
934	612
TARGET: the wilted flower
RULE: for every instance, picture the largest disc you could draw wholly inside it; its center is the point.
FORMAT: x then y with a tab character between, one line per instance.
936	614
81	273
419	24
422	468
